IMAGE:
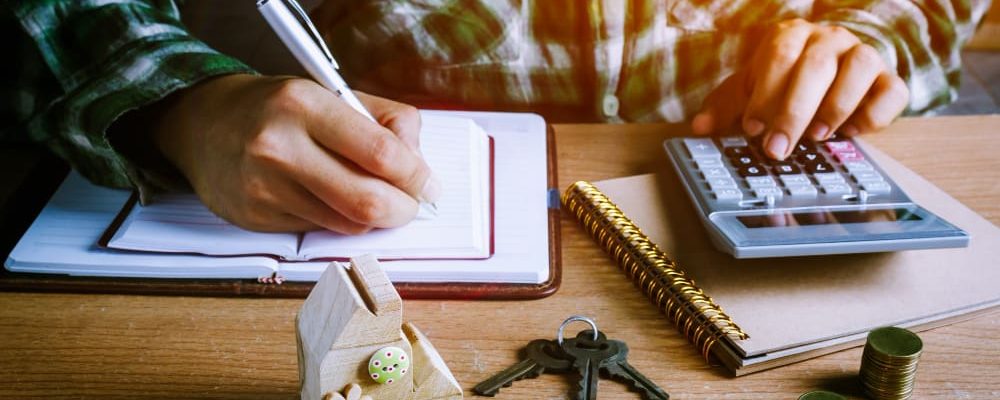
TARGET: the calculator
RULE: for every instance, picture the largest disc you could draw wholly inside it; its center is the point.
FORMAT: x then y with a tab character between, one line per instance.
826	198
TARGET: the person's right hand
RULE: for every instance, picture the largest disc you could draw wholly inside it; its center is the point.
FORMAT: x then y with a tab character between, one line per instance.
286	154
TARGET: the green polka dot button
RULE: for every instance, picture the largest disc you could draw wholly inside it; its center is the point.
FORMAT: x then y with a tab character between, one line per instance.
388	365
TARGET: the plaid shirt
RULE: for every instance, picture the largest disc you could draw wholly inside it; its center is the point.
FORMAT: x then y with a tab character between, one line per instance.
82	64
611	60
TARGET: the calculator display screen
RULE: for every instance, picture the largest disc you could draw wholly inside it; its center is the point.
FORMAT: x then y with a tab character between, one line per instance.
782	219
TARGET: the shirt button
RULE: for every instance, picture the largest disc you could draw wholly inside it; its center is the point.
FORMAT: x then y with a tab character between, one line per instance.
610	106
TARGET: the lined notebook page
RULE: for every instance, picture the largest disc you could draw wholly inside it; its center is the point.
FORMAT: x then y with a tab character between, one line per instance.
457	150
180	223
520	217
63	240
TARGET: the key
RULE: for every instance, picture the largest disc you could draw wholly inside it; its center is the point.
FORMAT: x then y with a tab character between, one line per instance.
541	355
619	368
810	157
786	168
752	170
587	355
591	358
736	151
804	147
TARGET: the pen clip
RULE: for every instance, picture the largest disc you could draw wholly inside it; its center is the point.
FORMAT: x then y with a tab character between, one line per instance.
306	22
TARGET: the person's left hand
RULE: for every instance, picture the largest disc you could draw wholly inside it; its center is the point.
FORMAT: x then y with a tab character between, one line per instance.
806	80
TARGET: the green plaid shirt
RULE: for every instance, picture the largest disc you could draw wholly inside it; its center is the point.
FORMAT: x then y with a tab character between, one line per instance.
83	63
612	60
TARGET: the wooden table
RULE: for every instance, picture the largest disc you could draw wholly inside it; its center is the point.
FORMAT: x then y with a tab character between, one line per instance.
111	346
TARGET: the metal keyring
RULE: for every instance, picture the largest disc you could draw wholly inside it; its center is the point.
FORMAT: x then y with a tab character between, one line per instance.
559	335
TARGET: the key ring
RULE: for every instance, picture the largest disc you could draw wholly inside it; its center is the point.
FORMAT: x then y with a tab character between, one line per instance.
559	334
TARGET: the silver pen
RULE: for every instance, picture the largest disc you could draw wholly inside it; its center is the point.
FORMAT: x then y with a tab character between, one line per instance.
300	36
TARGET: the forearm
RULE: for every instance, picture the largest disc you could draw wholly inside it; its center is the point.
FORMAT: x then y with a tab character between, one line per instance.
920	39
108	61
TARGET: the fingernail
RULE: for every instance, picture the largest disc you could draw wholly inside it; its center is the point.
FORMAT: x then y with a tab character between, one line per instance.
777	145
753	127
849	130
432	190
819	131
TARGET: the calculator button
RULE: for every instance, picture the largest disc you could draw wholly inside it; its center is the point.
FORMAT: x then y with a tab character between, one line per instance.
839	146
804	147
721	183
876	187
728	195
786	168
831	177
848	156
836	188
790	180
743	161
810	157
737	151
701	148
867	176
774	192
752	170
819	168
859	165
761	182
703	163
733	141
802	190
715	172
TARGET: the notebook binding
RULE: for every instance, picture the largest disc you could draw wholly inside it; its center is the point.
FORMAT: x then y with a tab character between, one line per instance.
693	312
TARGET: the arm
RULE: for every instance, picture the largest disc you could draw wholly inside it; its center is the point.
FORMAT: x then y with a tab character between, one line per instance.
921	40
100	63
138	96
853	71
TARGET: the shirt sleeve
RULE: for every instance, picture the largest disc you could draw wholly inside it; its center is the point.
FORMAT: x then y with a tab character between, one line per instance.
921	39
104	59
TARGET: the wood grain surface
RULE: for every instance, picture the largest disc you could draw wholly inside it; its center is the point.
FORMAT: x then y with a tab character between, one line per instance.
112	346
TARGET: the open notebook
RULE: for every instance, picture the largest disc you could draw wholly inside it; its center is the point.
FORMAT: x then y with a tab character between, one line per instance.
63	238
791	309
457	150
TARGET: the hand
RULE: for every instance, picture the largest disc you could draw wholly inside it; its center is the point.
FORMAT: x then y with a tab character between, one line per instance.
805	80
285	154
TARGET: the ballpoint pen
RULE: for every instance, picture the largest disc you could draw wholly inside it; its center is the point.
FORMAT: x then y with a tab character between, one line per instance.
300	36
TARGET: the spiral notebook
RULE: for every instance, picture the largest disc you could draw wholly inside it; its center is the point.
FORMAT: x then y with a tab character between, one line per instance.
755	314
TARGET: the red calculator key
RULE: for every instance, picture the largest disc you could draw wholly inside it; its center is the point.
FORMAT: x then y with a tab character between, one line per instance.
839	146
848	156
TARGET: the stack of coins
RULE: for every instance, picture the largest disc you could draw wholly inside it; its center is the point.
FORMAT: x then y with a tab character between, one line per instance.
821	395
889	363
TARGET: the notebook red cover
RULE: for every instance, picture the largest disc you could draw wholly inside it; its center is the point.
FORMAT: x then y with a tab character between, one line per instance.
45	181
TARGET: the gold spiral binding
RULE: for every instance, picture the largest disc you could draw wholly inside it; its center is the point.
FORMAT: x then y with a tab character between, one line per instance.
694	313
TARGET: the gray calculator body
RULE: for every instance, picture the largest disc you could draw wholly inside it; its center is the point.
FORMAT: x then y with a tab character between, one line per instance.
826	198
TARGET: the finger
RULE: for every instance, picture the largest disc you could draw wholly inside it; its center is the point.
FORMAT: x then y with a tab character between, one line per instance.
772	64
275	221
352	192
373	148
887	99
809	82
860	66
723	107
300	202
402	119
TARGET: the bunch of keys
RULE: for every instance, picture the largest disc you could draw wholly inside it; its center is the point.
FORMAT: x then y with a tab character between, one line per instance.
590	354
